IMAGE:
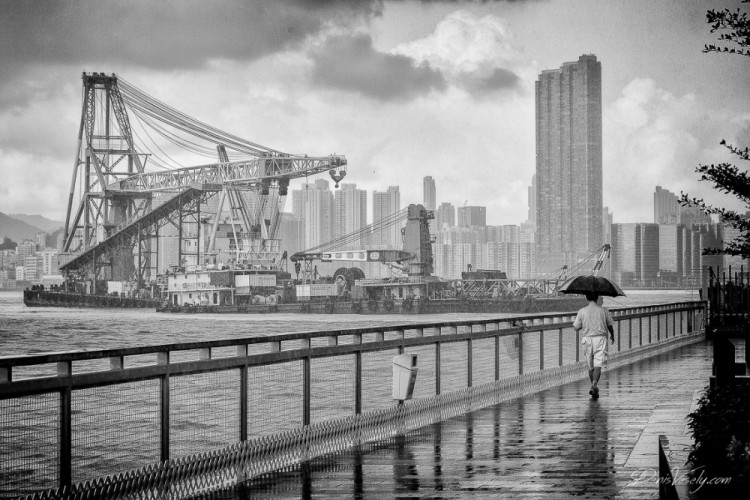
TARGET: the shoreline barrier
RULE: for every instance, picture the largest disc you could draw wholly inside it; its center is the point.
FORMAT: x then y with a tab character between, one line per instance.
185	419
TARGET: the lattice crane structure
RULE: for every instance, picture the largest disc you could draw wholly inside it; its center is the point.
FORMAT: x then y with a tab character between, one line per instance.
130	180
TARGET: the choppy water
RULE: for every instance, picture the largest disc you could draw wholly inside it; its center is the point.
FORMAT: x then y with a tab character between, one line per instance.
25	330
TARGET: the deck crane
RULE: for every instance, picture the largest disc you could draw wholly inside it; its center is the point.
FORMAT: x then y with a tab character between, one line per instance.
414	260
118	195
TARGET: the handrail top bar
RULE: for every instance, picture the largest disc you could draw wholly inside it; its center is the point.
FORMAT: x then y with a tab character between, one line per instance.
82	355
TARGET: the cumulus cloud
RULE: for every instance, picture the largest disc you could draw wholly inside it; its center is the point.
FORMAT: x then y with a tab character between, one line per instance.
349	62
478	54
658	139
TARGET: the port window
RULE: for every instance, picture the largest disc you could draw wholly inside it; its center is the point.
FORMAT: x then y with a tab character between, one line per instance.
216	298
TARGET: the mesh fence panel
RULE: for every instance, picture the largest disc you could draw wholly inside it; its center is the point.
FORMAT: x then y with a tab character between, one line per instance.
114	428
204	411
509	356
453	366
332	387
551	348
483	361
425	386
641	326
620	328
377	378
275	398
570	346
530	352
29	444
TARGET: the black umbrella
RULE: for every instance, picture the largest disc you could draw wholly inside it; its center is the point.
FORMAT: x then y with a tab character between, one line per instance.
598	285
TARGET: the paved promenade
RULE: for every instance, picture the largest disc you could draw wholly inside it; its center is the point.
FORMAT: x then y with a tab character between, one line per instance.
554	444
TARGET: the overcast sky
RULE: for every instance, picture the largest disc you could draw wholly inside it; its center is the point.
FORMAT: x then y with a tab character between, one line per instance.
403	89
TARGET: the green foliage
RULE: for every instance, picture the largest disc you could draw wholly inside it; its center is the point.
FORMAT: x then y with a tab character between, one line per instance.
722	437
733	29
8	244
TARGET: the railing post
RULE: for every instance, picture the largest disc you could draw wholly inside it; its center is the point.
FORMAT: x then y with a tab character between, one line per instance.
560	346
162	358
541	350
242	351
358	376
306	390
437	368
650	329
469	361
65	369
497	357
658	326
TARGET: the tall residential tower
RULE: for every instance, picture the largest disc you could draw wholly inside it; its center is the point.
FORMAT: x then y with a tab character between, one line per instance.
568	163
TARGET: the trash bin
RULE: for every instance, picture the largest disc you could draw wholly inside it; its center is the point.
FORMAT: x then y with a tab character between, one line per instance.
404	376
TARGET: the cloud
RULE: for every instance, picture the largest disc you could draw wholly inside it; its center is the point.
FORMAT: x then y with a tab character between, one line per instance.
349	62
165	34
478	54
659	139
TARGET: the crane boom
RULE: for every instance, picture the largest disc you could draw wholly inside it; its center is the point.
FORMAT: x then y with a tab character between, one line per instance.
240	173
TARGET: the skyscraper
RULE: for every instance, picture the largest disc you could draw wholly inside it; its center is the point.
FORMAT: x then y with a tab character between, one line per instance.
350	212
385	204
430	202
313	205
568	163
446	216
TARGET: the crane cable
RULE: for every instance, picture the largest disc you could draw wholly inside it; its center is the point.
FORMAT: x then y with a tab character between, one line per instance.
376	226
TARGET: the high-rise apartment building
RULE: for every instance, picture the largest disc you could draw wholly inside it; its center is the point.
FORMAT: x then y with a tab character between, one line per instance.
531	218
385	204
635	253
313	205
446	216
350	212
568	163
471	216
429	196
25	249
668	210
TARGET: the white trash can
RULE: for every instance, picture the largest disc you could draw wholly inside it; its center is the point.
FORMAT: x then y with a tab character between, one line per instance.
404	376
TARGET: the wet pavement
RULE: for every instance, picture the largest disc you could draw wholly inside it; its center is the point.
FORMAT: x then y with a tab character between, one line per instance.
558	444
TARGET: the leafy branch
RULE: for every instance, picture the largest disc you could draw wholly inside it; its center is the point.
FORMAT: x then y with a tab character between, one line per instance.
733	28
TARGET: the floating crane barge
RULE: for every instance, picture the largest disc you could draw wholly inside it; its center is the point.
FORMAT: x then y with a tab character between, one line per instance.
113	240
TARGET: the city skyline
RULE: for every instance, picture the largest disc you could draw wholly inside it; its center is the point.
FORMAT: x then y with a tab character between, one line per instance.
447	89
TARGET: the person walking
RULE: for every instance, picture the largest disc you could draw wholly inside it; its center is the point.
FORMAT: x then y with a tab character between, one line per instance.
594	321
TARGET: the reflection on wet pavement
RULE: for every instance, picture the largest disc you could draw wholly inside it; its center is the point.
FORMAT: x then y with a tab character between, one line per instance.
558	443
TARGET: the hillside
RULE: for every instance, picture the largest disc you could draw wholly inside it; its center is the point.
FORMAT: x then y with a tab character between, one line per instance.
16	230
35	220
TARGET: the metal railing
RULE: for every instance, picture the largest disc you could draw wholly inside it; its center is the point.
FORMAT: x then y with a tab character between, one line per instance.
267	402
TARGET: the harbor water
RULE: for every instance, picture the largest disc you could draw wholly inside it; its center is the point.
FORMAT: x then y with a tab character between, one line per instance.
26	330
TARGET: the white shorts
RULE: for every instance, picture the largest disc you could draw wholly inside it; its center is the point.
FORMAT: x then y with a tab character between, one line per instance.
595	351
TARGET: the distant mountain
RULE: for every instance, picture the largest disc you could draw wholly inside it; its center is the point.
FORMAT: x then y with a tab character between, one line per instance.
43	223
16	230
